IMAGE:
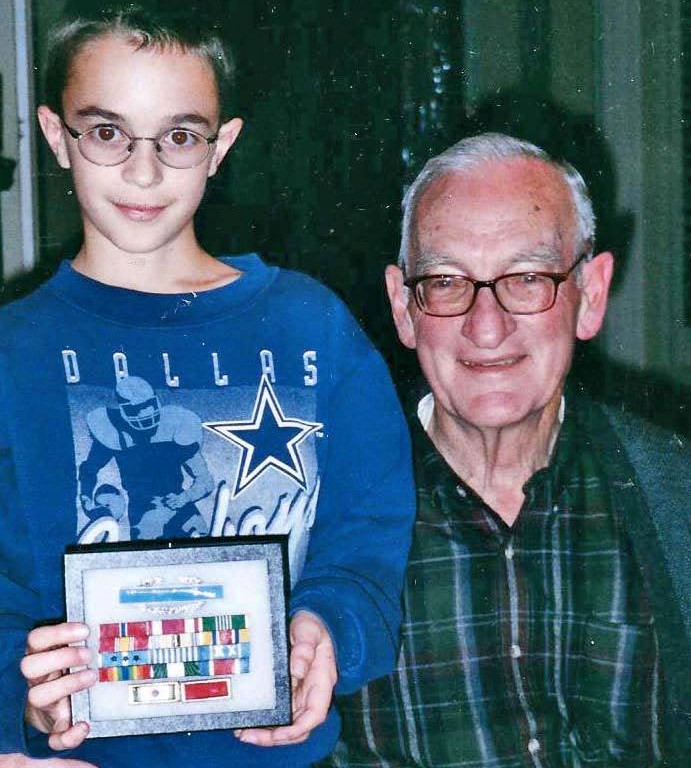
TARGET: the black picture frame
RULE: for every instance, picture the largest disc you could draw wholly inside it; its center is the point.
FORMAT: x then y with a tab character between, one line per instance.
186	635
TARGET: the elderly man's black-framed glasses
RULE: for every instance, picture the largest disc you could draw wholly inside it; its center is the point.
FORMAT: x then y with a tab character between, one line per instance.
107	144
519	293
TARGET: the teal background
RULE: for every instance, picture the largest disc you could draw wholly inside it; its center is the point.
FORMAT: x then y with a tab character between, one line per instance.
344	100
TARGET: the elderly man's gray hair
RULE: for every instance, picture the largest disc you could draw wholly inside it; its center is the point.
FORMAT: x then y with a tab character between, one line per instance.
475	150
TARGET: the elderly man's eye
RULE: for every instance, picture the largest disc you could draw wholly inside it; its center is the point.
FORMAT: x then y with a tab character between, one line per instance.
444	284
524	281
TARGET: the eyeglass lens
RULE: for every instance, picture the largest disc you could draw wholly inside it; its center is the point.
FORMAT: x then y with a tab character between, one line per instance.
526	293
177	148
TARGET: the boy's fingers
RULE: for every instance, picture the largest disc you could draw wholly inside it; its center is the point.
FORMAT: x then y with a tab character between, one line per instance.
276	737
55	636
21	761
48	655
38	665
304	724
313	713
69	738
267	737
52	691
310	711
301	658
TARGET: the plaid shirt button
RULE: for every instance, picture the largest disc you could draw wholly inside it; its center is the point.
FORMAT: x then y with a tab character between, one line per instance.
485	589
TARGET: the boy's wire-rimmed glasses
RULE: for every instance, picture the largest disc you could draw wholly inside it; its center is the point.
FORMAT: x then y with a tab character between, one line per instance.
107	144
518	293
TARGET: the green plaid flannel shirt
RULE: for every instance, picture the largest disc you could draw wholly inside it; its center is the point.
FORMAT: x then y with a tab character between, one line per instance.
529	645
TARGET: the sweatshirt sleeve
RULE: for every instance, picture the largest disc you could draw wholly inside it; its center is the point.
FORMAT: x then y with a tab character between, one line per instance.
18	604
360	540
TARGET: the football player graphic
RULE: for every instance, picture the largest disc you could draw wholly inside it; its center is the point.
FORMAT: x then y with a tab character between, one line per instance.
157	451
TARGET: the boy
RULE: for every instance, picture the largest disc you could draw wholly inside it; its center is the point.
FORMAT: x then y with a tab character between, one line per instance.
181	395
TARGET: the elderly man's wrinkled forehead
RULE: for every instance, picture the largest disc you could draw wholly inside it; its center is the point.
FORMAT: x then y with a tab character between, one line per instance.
517	197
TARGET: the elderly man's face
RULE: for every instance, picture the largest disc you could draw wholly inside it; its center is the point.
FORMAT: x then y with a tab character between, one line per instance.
489	368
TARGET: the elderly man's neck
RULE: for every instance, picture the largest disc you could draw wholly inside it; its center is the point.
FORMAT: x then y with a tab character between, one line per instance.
497	462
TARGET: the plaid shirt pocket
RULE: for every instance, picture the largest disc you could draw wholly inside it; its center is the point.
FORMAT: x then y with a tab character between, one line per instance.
614	676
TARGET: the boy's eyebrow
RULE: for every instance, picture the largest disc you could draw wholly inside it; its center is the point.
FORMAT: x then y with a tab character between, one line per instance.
190	117
183	117
105	114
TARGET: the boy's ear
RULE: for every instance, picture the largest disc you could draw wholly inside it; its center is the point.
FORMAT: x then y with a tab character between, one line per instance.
51	125
596	276
227	134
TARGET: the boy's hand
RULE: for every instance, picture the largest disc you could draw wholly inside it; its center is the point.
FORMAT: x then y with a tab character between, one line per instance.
20	761
313	673
48	657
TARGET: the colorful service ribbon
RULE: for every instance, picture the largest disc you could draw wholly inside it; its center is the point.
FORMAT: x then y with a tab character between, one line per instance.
204	646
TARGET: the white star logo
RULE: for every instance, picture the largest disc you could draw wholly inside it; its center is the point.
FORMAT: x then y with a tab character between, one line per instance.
269	439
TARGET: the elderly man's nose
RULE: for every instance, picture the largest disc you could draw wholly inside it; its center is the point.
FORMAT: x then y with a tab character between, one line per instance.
486	324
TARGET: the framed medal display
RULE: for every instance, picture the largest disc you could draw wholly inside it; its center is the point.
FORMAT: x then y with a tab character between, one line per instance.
185	635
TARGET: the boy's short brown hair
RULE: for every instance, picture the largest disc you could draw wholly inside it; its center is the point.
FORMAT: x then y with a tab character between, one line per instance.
147	24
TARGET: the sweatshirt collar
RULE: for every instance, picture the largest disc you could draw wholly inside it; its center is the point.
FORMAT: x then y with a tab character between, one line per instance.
163	310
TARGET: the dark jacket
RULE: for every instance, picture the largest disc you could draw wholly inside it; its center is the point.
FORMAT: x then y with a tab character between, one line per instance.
662	544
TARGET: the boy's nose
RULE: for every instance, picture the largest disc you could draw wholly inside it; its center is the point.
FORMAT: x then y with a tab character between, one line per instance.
143	167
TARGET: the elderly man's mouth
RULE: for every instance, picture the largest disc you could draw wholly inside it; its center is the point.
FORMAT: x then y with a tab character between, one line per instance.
492	365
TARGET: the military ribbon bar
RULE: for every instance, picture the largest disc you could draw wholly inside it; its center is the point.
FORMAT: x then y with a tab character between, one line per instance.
174	648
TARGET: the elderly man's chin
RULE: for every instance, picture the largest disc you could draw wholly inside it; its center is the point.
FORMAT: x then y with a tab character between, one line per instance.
499	409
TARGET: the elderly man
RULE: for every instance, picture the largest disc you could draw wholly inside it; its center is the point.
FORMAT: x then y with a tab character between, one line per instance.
547	592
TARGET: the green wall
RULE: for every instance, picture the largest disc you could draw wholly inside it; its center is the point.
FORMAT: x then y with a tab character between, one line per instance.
344	100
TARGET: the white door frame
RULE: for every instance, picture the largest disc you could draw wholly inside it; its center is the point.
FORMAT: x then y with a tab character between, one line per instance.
18	204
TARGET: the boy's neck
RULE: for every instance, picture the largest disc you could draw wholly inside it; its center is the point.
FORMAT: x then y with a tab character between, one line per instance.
172	270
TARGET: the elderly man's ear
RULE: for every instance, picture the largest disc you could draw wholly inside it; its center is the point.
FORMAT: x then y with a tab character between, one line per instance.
399	298
596	276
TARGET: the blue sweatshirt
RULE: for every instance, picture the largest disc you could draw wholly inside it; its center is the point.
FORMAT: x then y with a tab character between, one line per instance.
258	407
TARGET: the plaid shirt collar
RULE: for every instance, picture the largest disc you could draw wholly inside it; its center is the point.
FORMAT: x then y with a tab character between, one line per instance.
445	487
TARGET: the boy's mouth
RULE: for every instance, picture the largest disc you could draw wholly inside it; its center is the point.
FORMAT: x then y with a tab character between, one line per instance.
139	212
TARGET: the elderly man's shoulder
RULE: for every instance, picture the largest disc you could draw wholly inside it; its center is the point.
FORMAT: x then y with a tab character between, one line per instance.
660	456
660	529
660	533
659	462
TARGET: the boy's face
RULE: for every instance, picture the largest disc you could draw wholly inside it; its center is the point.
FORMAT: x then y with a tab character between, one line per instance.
141	205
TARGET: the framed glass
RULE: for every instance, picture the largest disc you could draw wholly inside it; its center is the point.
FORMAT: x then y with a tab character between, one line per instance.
107	144
519	293
186	635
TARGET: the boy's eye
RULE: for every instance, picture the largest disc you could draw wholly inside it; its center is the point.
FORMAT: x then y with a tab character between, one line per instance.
107	134
180	138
